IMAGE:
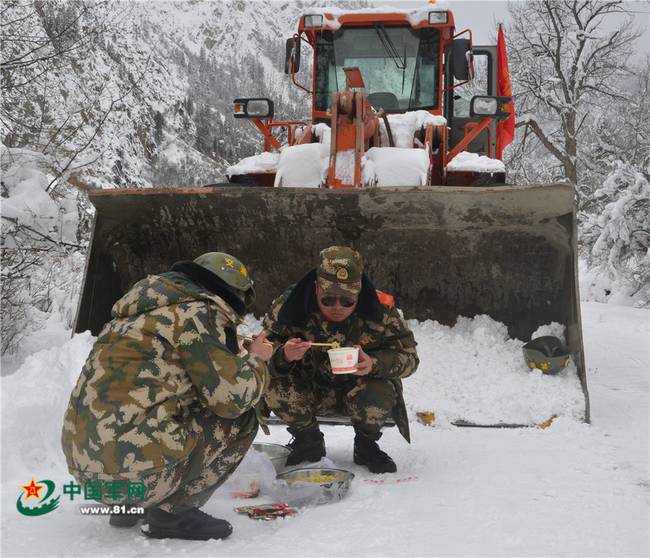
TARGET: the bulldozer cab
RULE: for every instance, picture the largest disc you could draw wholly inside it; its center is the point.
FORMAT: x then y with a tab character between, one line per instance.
400	66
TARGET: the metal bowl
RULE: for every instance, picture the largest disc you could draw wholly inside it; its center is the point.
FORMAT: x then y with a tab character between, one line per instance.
331	490
276	453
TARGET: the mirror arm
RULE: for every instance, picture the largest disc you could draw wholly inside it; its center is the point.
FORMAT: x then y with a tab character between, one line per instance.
270	141
452	87
293	71
293	78
469	138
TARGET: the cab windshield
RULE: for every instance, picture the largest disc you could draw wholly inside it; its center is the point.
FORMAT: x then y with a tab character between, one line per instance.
399	65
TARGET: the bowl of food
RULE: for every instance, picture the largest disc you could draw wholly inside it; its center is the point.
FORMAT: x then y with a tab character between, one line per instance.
275	452
332	484
343	360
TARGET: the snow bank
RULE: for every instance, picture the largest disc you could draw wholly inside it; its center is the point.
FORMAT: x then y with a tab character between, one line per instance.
302	165
473	162
395	166
34	400
264	162
475	372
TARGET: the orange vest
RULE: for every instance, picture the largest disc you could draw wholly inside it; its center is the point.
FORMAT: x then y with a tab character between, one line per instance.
386	299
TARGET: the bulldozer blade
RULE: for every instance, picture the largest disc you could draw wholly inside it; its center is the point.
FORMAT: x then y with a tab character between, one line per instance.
443	252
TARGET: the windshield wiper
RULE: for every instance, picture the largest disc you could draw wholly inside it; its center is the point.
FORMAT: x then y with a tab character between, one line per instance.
390	48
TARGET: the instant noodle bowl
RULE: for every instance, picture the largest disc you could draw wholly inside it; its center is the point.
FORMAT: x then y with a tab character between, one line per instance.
344	360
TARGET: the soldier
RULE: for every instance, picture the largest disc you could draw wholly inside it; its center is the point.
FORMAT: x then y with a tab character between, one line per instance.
164	399
337	302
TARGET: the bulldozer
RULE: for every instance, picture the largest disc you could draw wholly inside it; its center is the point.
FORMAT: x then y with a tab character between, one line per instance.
401	160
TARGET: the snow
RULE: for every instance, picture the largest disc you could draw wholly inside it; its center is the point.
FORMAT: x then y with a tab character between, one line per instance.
404	126
264	162
345	166
306	165
395	166
473	162
415	16
572	489
474	372
302	165
28	203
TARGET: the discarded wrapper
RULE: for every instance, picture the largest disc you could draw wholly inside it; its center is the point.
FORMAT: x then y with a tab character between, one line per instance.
267	512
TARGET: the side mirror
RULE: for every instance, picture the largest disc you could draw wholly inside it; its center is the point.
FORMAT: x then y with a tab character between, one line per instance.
491	107
253	108
462	59
292	56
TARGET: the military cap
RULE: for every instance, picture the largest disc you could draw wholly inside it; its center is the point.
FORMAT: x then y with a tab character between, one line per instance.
340	270
230	270
547	354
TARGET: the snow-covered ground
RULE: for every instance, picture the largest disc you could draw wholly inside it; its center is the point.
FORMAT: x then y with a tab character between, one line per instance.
572	489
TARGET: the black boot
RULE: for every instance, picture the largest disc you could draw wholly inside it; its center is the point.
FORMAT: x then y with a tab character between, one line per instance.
307	445
367	452
125	520
193	524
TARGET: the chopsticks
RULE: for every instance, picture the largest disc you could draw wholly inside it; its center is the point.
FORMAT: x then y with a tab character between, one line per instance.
333	344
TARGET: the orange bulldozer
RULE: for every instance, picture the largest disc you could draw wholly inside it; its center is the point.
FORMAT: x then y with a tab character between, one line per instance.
401	159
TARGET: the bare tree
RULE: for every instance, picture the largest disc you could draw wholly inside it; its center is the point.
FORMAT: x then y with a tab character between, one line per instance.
48	102
54	105
568	61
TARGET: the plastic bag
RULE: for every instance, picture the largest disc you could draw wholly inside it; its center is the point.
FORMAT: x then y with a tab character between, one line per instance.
254	475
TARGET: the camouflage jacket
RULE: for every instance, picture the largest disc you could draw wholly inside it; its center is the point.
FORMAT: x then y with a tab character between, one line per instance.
163	358
381	331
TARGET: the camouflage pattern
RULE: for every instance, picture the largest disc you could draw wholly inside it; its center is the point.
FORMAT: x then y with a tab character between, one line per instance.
231	270
190	482
301	389
297	399
158	365
340	270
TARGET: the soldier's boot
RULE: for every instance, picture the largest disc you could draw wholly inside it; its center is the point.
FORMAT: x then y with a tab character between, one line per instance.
125	520
367	452
307	444
193	524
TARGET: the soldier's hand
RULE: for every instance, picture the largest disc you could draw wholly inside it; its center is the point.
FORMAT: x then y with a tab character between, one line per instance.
295	349
260	347
365	364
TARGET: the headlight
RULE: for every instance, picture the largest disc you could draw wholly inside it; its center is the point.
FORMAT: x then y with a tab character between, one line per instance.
313	21
437	17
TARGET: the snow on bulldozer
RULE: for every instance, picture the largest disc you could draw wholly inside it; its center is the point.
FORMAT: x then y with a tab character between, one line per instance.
401	160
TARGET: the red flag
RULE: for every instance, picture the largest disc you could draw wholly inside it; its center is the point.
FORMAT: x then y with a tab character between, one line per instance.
505	128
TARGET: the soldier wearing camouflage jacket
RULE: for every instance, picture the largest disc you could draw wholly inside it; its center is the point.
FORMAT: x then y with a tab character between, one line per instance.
164	396
303	388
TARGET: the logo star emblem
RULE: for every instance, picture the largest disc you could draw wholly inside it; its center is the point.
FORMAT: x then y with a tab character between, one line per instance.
32	489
